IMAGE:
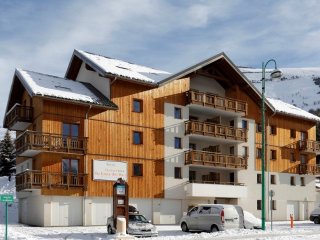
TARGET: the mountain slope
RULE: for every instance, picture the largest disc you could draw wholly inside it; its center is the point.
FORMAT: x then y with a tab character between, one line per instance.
297	86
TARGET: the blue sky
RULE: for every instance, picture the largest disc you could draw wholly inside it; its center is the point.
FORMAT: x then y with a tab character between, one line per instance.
168	35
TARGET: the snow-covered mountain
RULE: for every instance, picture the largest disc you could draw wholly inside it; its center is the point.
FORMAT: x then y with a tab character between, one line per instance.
297	86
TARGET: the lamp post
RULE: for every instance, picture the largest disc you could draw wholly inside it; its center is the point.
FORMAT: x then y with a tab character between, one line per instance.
274	74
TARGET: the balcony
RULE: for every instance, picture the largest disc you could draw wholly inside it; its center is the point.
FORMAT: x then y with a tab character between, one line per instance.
18	118
309	146
309	169
215	130
216	189
31	179
214	101
32	143
213	159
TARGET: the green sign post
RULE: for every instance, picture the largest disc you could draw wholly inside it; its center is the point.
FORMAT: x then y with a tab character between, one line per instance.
6	198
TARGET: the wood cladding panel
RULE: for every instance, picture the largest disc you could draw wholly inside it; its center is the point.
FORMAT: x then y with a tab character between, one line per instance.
284	144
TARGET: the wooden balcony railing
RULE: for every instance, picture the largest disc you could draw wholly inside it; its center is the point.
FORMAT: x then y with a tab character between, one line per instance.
18	113
309	169
32	179
215	130
39	141
309	146
215	101
215	159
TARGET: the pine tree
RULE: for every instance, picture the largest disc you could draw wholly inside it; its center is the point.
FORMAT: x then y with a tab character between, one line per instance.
7	157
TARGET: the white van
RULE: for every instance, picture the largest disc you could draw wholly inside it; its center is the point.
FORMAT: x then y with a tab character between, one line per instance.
213	218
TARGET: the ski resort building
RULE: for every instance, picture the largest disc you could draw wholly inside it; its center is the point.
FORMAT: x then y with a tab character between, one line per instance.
178	140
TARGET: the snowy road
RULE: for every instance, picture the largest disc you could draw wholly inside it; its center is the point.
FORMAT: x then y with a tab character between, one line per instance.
281	230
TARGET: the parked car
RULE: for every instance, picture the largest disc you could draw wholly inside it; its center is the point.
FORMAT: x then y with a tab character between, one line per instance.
315	216
250	221
138	226
213	218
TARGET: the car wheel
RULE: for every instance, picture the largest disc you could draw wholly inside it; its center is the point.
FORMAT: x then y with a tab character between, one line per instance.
110	231
214	228
184	227
316	220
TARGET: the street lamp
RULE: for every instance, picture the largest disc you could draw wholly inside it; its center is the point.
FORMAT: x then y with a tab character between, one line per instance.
276	73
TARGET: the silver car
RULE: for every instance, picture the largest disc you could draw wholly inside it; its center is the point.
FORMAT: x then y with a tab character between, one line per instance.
138	226
213	218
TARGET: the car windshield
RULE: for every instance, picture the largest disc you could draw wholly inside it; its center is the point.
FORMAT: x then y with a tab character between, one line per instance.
137	218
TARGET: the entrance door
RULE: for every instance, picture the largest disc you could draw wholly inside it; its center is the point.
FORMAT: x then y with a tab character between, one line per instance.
293	208
64	214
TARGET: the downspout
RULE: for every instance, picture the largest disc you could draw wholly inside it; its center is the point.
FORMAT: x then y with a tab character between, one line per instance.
268	166
86	135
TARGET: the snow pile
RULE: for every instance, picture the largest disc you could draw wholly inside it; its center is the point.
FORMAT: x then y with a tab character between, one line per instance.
47	85
297	86
124	69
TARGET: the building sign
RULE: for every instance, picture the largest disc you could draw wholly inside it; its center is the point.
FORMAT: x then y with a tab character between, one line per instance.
108	170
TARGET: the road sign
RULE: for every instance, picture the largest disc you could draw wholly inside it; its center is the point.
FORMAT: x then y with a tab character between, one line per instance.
6	198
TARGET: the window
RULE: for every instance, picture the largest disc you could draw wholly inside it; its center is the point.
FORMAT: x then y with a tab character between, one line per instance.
258	204
231	150
303	159
137	170
273	205
273	179
292	133
177	172
69	131
259	152
232	123
259	178
177	113
302	182
273	130
292	181
192	146
70	168
137	105
273	154
192	176
137	137
318	160
292	157
303	135
244	124
245	151
259	128
177	143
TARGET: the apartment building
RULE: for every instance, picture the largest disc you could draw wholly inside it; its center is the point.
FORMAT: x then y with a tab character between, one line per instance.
178	140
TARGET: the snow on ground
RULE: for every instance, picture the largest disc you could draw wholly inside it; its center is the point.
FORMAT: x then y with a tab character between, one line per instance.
281	230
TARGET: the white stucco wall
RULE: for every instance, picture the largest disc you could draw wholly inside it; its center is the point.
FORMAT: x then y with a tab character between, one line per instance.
174	188
205	84
100	83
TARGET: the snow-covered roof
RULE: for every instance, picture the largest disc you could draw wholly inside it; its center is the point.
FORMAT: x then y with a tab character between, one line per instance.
38	84
121	68
286	108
